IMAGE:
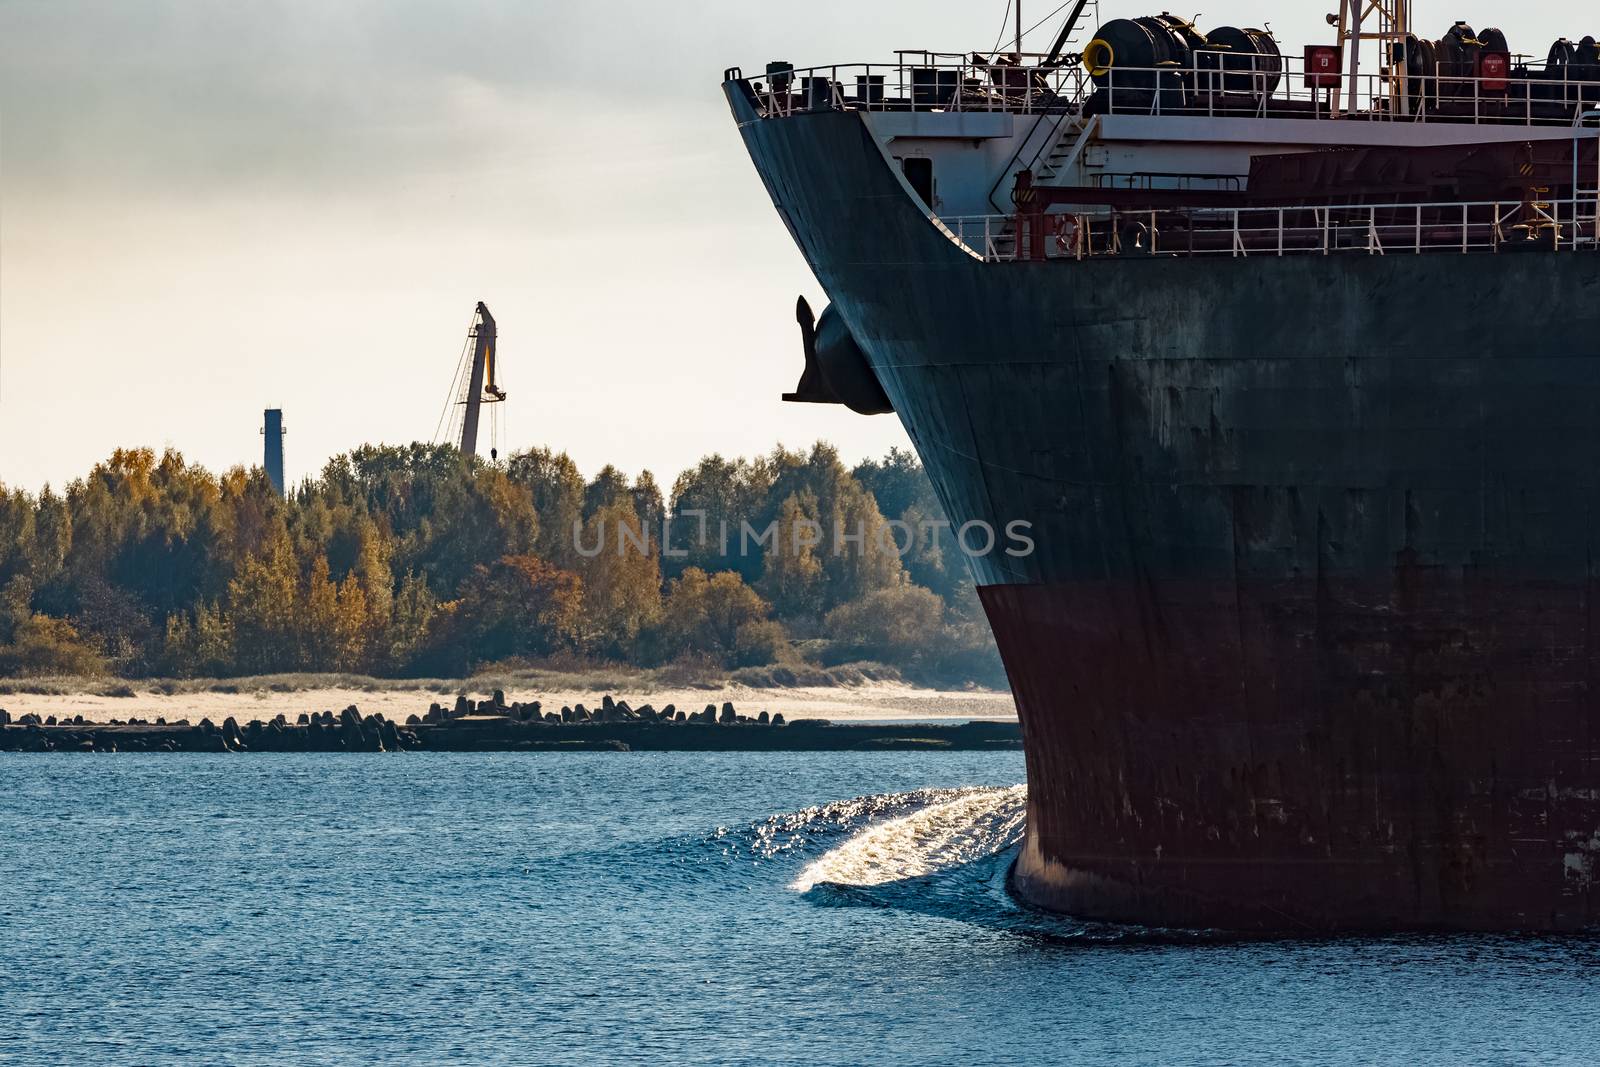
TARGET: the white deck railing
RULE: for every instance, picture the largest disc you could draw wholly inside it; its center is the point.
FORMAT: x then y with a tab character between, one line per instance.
946	82
918	81
1371	229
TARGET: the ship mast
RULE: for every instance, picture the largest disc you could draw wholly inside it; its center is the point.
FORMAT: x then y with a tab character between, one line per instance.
1066	33
1386	21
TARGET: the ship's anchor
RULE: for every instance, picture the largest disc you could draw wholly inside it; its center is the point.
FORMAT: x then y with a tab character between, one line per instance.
837	370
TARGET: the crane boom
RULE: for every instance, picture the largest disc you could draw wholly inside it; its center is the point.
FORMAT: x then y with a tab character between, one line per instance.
481	385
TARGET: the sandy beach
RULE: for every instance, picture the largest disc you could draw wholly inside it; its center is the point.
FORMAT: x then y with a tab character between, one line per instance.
873	701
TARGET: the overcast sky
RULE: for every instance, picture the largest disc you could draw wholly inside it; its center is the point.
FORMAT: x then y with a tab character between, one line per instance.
211	207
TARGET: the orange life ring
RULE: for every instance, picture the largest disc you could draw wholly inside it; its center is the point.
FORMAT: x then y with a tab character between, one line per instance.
1066	231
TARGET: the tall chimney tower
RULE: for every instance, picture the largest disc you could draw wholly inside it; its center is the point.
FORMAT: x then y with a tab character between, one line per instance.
272	460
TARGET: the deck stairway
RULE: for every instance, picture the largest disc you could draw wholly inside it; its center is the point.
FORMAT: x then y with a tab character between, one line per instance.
1070	139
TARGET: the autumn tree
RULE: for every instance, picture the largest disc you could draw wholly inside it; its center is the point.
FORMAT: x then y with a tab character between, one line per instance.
711	503
608	489
793	574
40	644
264	608
16	535
895	625
52	537
621	578
863	554
557	490
854	553
897	482
903	492
648	504
411	625
201	645
719	616
516	606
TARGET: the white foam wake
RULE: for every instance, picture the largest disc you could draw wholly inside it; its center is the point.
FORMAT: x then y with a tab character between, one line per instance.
946	834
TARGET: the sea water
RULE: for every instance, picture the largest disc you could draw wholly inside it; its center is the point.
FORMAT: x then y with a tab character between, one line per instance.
682	908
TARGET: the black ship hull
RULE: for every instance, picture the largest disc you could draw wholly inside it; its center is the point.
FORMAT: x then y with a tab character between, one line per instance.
1309	639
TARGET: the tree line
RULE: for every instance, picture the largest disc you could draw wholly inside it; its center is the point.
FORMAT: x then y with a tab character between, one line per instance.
406	562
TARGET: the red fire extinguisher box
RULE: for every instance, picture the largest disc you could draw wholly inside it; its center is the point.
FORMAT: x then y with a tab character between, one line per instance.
1494	68
1322	65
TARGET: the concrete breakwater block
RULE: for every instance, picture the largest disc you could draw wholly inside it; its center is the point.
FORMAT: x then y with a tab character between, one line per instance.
499	725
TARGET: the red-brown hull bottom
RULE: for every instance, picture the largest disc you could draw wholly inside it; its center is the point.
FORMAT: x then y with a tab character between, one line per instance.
1405	754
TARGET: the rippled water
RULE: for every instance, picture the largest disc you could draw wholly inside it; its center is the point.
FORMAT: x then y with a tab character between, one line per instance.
556	908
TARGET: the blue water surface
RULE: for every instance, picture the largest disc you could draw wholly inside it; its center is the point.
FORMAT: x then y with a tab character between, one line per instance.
661	908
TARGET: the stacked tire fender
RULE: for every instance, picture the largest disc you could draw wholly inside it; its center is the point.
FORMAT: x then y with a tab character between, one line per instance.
1464	64
1167	54
1133	62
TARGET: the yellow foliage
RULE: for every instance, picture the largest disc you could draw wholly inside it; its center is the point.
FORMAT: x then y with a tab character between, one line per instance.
621	579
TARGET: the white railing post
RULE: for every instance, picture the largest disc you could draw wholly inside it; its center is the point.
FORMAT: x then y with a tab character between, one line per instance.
1578	126
1336	223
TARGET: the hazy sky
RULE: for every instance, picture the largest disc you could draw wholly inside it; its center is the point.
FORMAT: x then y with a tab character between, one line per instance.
211	207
